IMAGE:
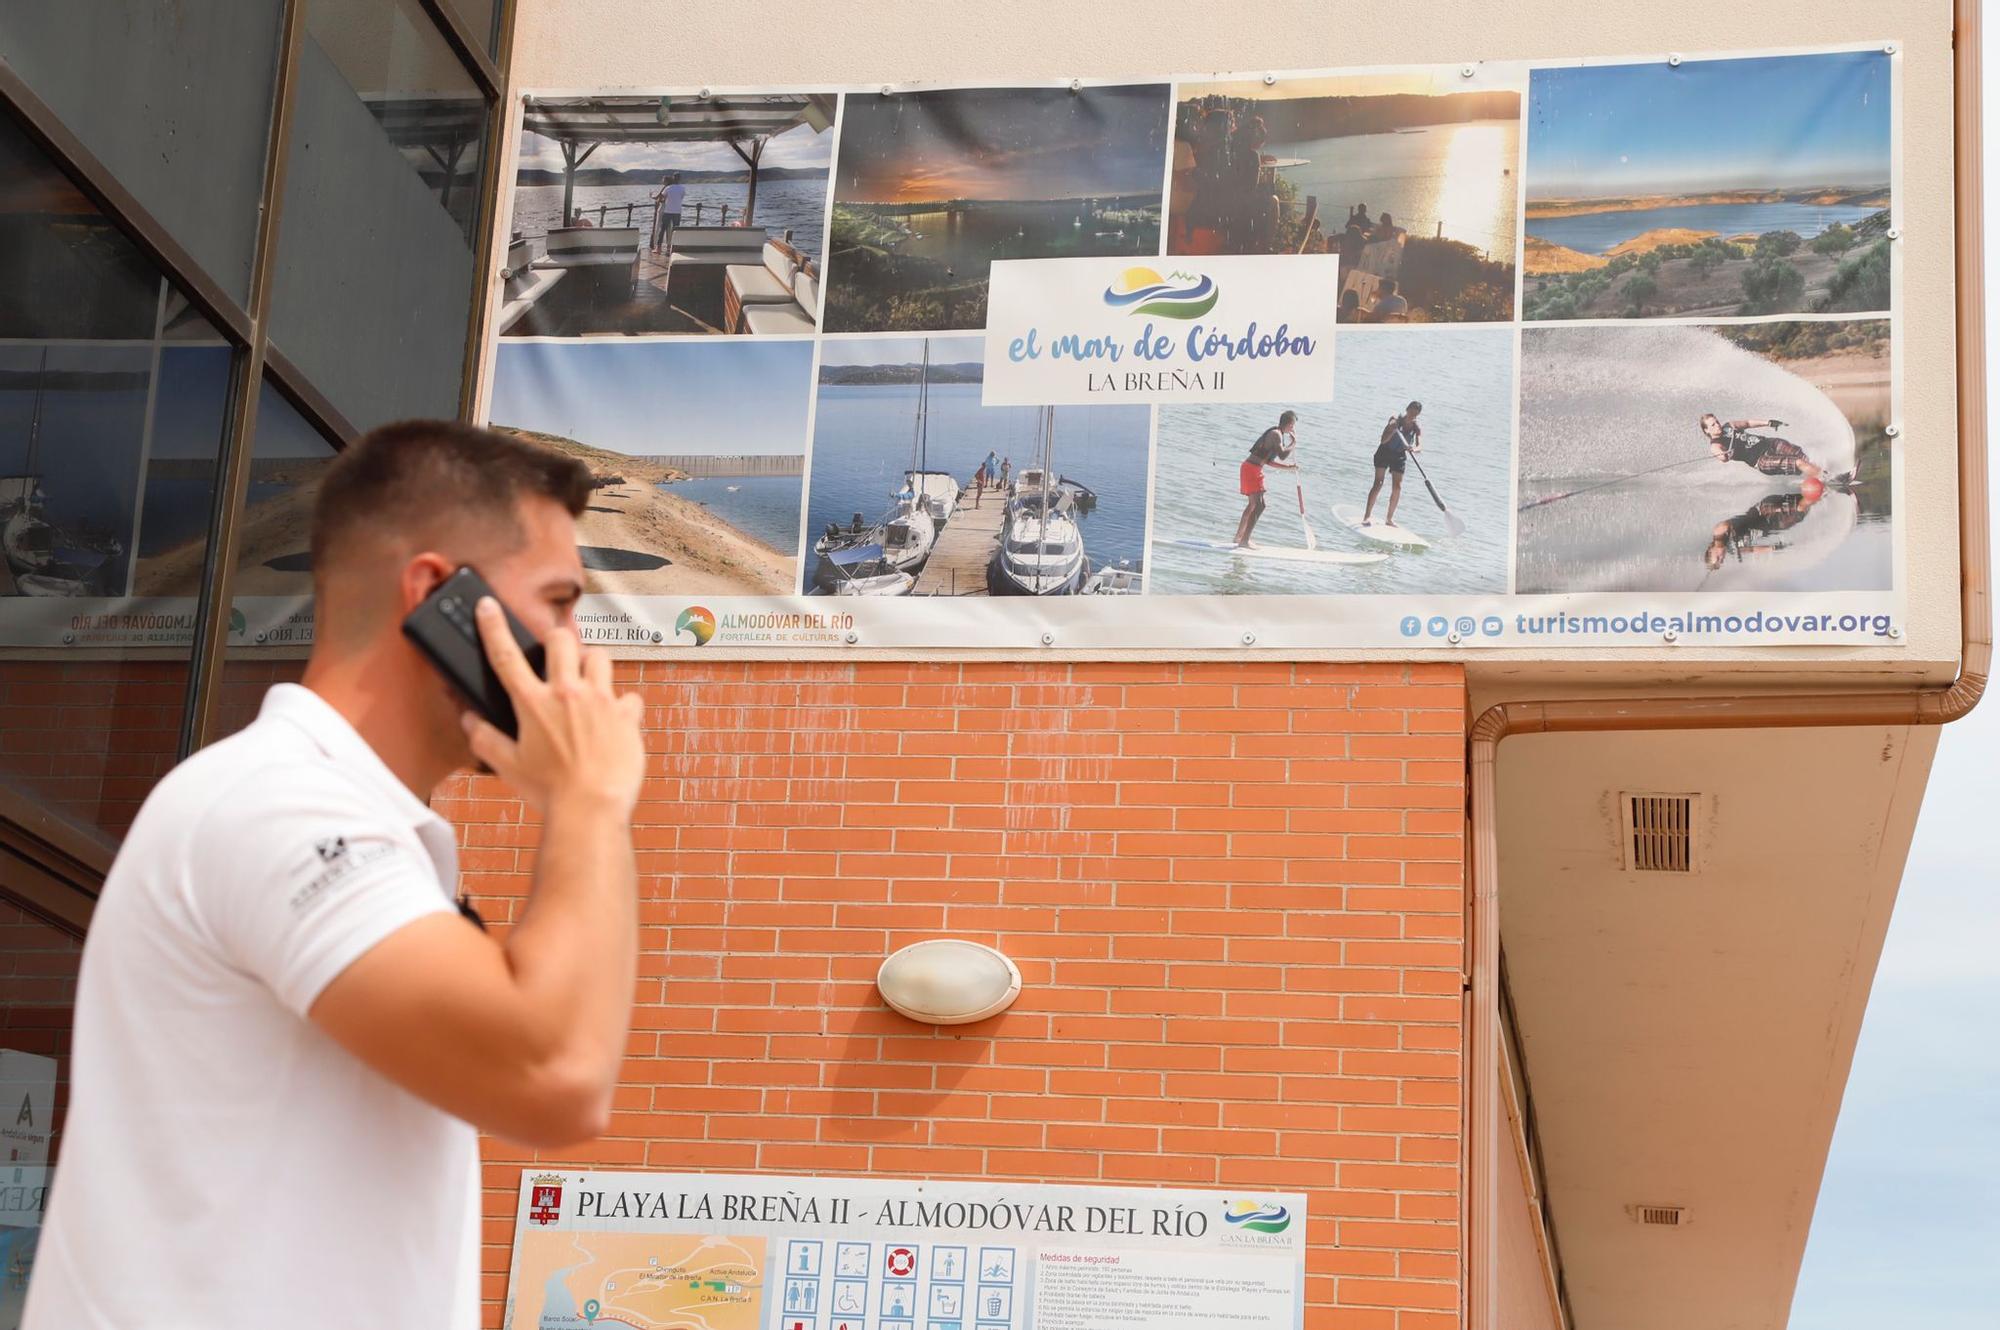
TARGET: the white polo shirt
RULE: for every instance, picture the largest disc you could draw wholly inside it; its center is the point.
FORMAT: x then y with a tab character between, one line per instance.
225	1164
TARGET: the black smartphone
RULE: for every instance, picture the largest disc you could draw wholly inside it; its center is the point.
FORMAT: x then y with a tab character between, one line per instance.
444	629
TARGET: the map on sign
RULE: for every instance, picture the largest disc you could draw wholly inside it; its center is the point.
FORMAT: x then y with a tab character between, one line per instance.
645	1281
680	1251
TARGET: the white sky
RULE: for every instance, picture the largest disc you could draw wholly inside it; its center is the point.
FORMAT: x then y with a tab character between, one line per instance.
1907	1232
798	146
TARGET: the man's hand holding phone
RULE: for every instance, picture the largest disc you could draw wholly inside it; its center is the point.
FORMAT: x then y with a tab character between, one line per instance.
578	739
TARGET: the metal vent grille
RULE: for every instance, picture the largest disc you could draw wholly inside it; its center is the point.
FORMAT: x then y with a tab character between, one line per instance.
1661	1216
1659	833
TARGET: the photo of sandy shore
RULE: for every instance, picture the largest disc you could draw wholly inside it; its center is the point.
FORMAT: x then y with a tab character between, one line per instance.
274	536
1683	458
1409	177
1715	187
697	449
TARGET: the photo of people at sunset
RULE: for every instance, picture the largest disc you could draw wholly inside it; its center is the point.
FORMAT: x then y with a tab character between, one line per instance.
1408	176
931	187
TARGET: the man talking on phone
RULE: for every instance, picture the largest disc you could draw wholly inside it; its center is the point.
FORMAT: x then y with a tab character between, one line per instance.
287	1034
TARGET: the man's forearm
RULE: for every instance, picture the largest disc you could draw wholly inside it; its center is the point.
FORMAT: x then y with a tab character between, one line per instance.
574	951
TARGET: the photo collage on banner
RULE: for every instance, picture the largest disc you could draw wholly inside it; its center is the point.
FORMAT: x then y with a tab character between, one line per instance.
1608	352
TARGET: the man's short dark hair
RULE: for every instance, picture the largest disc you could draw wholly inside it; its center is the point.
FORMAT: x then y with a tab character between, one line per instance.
406	476
1288	417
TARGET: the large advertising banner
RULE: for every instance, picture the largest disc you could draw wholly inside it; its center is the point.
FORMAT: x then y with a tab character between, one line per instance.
1536	355
661	1251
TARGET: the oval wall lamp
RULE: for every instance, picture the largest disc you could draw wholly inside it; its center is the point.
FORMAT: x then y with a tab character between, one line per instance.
948	981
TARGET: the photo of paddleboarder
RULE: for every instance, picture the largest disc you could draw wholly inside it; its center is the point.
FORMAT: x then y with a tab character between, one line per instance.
1401	437
1296	500
1791	464
1274	447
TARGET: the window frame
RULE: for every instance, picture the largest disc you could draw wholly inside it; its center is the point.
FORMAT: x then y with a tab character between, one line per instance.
46	844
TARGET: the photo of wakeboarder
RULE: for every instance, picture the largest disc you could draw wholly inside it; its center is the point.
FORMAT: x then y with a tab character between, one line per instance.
1334	470
1740	457
1733	441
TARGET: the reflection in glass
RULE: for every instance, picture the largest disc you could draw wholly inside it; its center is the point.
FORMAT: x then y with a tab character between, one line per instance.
482	19
38	972
272	589
113	394
174	100
65	270
372	293
408	79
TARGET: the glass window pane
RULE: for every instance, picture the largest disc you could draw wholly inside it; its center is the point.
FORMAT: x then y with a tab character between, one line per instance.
38	969
271	631
482	18
113	395
373	290
174	99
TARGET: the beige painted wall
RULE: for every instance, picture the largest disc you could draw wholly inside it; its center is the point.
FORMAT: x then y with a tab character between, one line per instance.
1525	1298
791	43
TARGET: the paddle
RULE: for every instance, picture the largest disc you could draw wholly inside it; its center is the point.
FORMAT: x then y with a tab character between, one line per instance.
1312	541
1452	522
1299	474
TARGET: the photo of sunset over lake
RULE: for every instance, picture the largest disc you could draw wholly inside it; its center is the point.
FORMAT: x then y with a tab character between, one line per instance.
931	187
1408	176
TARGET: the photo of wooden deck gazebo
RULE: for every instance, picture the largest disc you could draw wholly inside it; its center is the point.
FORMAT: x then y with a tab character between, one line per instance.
608	267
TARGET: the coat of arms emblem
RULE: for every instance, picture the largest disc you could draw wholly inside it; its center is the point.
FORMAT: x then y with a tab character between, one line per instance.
545	1199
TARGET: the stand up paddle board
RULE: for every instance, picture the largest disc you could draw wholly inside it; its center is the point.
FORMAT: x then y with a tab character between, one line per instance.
1378	532
1280	553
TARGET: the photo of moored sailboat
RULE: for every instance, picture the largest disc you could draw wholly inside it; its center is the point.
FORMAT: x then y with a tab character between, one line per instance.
1040	550
71	429
1067	486
902	539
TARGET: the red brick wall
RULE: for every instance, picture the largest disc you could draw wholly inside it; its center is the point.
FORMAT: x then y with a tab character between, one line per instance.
1234	892
90	738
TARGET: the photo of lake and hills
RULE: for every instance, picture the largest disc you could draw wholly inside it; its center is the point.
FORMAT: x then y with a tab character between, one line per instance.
931	187
1718	187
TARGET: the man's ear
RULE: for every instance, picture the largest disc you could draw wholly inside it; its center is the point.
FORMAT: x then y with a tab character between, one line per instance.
422	575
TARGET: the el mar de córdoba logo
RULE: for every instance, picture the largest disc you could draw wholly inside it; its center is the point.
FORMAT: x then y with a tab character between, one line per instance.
1258	1217
698	622
1180	295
